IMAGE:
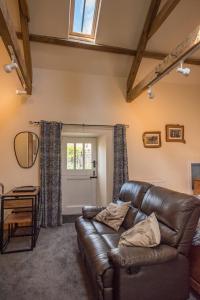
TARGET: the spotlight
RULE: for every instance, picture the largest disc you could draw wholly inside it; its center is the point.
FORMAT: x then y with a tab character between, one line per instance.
150	93
10	67
182	70
21	92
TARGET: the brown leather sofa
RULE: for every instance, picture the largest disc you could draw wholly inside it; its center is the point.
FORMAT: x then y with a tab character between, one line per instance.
137	273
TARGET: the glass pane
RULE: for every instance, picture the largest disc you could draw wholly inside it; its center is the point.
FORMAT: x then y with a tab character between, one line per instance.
78	15
83	16
88	16
79	156
70	156
88	156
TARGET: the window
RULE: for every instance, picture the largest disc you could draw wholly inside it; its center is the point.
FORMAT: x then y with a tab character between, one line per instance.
70	156
88	156
83	19
79	156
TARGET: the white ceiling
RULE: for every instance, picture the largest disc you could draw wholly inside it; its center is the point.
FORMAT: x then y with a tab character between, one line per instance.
180	23
120	24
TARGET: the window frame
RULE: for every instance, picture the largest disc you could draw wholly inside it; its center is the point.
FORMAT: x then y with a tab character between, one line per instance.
74	160
78	35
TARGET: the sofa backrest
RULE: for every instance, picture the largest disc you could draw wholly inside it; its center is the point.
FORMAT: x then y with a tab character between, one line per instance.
177	214
134	191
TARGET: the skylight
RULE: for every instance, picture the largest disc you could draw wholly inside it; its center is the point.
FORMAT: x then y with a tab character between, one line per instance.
83	19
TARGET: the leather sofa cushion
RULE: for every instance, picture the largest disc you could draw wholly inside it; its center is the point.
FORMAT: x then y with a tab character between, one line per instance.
173	211
140	256
102	228
90	226
84	226
89	212
112	240
134	191
96	250
130	216
140	216
96	240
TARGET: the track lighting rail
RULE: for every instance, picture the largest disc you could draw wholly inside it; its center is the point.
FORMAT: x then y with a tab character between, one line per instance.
180	53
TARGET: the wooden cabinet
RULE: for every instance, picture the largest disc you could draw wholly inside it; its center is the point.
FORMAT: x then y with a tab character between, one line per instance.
196	184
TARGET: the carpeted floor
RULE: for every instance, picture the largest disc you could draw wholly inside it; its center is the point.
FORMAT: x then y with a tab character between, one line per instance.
52	271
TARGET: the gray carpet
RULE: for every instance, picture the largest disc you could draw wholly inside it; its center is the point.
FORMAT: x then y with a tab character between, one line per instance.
53	271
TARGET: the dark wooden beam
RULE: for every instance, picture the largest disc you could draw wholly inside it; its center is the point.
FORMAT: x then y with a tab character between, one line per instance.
152	24
186	48
161	56
77	44
152	12
166	10
24	18
51	40
24	9
10	41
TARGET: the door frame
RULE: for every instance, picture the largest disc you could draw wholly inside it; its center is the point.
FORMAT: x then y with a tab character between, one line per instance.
100	133
76	177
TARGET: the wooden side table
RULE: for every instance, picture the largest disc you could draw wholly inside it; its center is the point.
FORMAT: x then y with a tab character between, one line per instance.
25	210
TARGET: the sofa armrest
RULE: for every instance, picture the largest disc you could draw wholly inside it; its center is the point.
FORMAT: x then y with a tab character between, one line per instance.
90	212
140	256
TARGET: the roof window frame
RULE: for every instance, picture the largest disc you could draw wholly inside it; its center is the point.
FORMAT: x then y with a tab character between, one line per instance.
82	36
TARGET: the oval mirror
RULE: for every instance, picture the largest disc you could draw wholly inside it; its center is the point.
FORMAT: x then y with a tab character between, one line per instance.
26	146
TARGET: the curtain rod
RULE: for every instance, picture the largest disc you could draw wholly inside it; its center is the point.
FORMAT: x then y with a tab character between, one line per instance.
83	125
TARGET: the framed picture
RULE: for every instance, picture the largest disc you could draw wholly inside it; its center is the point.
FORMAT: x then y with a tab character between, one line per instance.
152	139
175	133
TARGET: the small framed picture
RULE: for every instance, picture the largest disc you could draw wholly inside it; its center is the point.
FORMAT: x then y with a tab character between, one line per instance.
152	139
175	133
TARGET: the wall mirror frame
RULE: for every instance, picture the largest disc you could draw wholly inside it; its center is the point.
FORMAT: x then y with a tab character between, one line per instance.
26	147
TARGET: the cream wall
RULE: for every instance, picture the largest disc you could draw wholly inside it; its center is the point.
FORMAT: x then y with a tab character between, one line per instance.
83	98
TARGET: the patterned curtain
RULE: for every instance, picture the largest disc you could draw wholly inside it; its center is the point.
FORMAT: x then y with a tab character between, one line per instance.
120	159
50	173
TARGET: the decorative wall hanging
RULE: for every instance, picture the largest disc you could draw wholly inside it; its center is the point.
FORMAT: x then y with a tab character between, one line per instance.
26	146
152	139
174	133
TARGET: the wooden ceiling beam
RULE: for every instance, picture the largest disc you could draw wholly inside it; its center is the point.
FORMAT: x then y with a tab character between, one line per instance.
57	41
9	37
166	10
161	56
98	47
24	19
186	48
152	24
152	12
24	9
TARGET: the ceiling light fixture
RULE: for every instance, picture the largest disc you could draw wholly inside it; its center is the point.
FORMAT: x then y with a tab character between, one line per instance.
8	68
184	71
150	92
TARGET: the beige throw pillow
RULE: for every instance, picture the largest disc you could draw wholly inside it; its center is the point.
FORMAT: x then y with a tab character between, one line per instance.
144	234
113	215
